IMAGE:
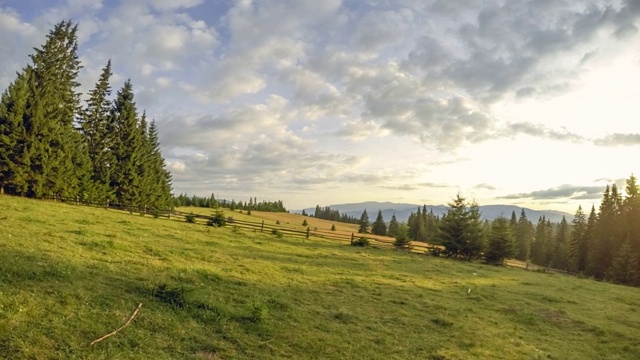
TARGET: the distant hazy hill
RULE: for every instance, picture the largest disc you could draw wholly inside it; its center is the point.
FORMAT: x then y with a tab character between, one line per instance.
403	211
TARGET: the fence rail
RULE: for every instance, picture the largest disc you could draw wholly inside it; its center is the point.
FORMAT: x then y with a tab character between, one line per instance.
414	247
256	226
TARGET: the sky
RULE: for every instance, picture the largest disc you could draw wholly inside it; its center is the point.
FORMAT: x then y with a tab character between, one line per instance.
526	102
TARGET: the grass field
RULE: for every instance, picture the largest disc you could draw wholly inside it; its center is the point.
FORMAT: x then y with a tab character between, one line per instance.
69	275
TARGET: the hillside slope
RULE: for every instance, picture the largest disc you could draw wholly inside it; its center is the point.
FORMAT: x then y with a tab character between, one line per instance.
69	275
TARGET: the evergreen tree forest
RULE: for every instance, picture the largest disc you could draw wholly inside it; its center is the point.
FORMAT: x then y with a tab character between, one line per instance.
54	144
212	202
328	213
605	244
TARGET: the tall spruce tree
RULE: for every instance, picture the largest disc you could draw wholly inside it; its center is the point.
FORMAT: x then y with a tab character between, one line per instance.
128	148
624	267
561	245
160	177
578	246
393	226
53	106
364	223
524	237
500	245
14	163
460	230
379	227
99	132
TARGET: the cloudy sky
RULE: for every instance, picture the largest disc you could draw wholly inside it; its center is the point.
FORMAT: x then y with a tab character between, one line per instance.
527	102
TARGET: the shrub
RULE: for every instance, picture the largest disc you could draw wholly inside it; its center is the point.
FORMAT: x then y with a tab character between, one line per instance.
190	218
217	219
277	222
333	228
277	233
305	223
362	241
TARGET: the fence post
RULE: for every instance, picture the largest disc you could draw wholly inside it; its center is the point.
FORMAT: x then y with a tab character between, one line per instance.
352	238
106	205
308	230
262	226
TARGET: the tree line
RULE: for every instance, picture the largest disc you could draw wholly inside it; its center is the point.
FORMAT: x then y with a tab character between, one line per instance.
327	213
51	144
212	202
604	244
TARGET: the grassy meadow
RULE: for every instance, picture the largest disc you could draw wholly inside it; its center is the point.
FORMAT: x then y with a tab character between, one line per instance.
71	274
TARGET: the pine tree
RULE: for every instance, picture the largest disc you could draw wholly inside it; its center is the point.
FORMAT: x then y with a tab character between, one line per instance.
601	253
52	108
561	245
624	267
379	227
402	240
364	223
460	230
99	132
14	163
127	148
393	226
631	217
524	237
578	249
500	245
514	221
540	253
159	178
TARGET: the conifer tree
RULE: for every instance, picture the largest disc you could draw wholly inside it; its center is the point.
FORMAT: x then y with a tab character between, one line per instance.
624	267
52	109
500	245
460	230
99	134
127	148
561	246
364	223
524	237
14	163
578	247
379	227
402	240
539	252
514	221
601	253
393	226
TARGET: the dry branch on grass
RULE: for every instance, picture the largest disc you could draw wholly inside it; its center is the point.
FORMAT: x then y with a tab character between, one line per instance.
120	328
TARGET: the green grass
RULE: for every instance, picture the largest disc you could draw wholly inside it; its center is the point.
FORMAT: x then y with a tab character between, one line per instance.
69	275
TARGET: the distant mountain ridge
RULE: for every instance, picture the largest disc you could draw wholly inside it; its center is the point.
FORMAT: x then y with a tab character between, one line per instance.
403	210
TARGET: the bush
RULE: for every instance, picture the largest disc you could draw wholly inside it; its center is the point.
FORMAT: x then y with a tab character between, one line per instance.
362	241
277	222
333	228
305	223
217	219
277	233
190	218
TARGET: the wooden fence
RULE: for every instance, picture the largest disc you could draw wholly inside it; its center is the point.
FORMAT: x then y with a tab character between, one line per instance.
171	214
384	243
